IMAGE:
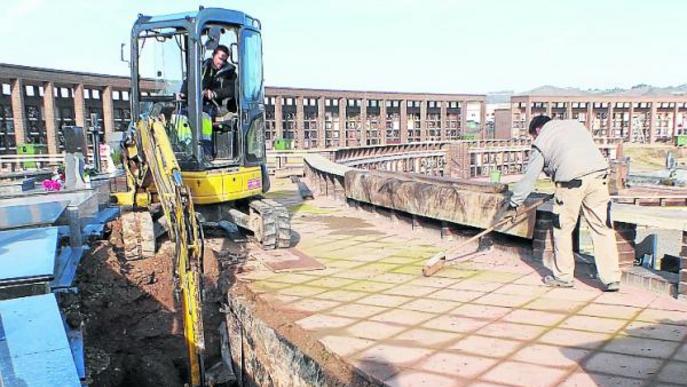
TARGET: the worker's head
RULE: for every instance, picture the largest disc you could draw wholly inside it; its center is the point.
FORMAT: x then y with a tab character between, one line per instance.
537	123
219	56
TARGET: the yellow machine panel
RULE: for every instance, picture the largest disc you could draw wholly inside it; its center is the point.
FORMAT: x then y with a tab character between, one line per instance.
223	185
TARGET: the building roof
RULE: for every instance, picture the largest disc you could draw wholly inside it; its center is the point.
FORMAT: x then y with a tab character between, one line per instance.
286	91
553	91
635	91
42	74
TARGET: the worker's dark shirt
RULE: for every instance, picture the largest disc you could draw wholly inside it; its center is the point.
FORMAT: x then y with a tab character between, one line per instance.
220	81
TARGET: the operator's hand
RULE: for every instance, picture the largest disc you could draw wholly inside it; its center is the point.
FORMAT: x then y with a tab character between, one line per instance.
209	94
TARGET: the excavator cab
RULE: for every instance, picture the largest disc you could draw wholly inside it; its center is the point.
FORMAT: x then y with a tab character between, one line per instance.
174	53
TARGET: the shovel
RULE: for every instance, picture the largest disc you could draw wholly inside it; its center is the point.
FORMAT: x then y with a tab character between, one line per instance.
439	260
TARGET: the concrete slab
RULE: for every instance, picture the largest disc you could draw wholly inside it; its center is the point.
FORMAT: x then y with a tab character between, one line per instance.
492	323
34	350
27	254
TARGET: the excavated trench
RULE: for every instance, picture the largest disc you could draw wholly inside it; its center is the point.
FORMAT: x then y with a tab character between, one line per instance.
133	333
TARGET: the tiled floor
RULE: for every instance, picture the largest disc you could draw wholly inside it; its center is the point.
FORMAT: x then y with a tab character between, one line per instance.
487	323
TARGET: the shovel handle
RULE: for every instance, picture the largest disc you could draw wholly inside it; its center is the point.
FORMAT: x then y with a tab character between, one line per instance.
499	223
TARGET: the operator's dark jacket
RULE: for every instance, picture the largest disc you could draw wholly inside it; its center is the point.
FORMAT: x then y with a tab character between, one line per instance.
220	81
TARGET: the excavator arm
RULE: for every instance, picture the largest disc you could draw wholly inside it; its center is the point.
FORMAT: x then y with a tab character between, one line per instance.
183	231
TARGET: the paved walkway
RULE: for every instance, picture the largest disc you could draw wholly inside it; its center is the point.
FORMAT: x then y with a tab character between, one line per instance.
487	322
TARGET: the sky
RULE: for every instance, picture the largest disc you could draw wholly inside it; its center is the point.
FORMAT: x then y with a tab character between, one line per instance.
457	46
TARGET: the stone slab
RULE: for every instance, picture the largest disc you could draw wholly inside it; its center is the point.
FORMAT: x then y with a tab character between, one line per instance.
27	254
34	350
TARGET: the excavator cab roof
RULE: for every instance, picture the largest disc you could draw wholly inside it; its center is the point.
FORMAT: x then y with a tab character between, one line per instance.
201	16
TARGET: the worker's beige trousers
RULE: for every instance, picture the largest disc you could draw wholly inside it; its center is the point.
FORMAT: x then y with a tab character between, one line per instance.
592	198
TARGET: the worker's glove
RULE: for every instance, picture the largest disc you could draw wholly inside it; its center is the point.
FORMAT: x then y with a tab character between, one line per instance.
506	211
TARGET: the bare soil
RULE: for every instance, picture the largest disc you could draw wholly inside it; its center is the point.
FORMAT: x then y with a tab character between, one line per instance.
133	331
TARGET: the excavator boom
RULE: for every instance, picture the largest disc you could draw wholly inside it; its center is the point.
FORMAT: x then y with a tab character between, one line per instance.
183	230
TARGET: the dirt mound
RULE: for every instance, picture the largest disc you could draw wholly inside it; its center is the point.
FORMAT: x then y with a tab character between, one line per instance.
133	332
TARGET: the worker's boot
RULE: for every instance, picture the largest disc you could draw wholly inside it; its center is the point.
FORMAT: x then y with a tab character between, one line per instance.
612	287
554	282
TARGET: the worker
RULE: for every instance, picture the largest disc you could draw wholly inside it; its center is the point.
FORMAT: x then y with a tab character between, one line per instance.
565	151
217	85
218	78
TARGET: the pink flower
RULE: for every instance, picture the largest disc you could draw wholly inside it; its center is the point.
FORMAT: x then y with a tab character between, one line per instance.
52	185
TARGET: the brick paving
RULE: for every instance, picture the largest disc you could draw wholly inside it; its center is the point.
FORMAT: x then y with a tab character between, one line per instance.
487	322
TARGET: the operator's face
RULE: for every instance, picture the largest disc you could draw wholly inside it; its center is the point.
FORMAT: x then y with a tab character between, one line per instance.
536	134
219	59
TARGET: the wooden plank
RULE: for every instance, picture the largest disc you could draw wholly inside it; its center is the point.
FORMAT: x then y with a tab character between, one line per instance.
442	202
465	184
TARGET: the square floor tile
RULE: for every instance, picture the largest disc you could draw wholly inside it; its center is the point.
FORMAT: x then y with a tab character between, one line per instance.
455	295
313	305
534	317
486	312
623	365
341	295
418	378
374	330
584	379
431	306
480	345
656	331
403	317
638	346
548	355
454	364
424	337
322	321
572	338
498	299
593	324
455	324
384	300
609	311
398	355
410	290
522	374
554	305
674	372
357	310
345	346
479	286
511	331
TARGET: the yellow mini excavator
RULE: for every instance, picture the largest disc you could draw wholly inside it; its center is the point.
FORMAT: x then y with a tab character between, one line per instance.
191	157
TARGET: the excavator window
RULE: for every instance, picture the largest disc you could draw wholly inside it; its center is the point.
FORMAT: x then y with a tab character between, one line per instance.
223	109
162	58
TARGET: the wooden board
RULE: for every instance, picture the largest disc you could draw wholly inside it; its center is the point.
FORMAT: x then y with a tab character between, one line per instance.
442	201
